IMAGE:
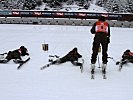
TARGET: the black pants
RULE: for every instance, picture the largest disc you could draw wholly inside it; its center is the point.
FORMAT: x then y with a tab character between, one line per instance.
126	60
100	39
64	59
13	55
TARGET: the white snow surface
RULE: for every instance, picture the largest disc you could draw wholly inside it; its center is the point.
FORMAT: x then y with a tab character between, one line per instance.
65	81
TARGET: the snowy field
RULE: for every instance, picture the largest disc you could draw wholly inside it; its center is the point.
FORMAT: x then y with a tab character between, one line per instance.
65	81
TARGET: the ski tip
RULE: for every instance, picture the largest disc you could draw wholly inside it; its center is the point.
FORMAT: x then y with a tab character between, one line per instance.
92	78
119	70
104	77
117	63
41	68
18	68
81	68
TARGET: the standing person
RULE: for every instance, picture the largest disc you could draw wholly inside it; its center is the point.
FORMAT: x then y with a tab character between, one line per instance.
71	56
101	29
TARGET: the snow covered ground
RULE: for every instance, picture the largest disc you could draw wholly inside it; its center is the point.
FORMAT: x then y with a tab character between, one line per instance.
65	81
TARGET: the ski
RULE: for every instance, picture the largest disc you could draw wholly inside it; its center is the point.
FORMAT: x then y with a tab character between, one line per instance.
17	61
56	56
92	74
2	58
3	53
3	61
81	67
120	66
50	61
104	74
121	63
53	57
23	62
45	66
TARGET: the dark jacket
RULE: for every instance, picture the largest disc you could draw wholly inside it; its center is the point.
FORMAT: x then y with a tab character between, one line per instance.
16	54
127	55
93	31
72	56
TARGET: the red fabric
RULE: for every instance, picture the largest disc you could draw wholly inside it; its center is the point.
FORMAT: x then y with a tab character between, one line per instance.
131	53
101	27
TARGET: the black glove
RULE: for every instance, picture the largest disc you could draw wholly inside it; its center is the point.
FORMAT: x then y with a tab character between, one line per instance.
118	62
79	56
108	39
27	54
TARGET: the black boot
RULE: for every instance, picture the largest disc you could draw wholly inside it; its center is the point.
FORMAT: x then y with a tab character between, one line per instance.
4	61
104	71
92	71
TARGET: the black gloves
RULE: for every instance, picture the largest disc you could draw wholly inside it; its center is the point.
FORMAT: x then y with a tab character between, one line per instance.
79	56
27	54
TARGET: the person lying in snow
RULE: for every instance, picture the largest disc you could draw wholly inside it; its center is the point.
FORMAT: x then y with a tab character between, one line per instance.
15	54
127	57
72	56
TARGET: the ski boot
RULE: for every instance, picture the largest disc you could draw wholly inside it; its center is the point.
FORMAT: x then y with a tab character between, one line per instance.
4	61
81	67
104	68
92	71
17	61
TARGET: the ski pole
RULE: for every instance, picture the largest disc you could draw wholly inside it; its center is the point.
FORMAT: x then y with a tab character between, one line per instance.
99	50
112	59
3	53
116	62
99	62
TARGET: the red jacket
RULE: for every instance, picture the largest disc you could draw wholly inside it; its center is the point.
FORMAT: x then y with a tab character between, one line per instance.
101	26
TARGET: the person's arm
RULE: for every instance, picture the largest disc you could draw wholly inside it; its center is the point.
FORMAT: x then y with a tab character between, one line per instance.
79	56
108	30
93	29
108	36
126	55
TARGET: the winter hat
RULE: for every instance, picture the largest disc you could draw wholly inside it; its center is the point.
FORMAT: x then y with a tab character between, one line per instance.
22	47
102	18
75	49
127	50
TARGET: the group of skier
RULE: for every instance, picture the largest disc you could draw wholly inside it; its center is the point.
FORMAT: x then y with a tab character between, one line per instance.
101	31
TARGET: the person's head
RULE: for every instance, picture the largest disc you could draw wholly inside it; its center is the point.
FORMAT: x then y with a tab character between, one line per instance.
22	48
102	18
127	50
75	49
